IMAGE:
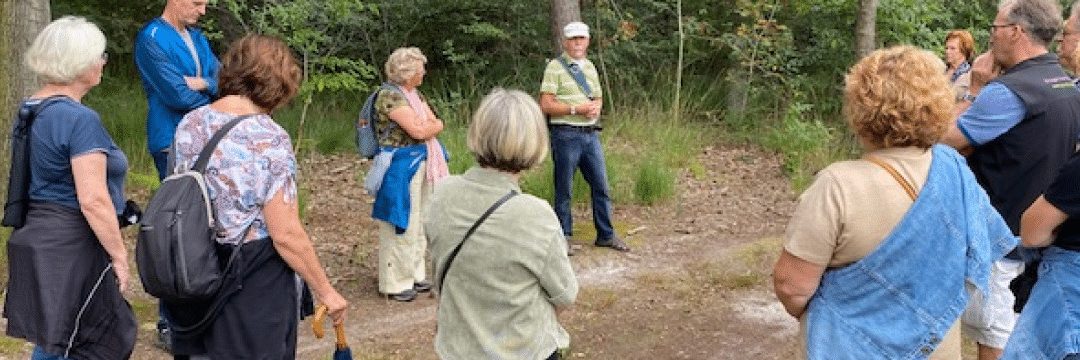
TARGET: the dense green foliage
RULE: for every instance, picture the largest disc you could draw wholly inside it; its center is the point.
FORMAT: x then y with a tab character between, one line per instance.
782	47
768	71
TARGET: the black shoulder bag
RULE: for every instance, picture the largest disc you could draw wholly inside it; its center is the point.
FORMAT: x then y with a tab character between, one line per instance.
18	190
453	254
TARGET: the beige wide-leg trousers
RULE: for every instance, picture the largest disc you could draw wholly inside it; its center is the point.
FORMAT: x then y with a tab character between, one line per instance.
402	257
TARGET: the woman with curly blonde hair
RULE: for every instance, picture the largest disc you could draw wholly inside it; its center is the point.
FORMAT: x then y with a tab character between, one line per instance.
878	252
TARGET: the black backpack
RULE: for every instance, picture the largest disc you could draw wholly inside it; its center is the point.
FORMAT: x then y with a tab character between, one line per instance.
177	247
18	191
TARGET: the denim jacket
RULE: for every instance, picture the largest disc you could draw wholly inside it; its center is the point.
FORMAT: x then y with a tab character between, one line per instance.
899	301
1049	327
392	201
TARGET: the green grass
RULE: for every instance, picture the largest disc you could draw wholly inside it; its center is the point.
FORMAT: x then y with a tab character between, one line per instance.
807	143
644	147
122	107
655	182
12	347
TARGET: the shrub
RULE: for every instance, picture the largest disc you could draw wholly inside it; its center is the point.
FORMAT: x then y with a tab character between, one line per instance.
803	142
654	182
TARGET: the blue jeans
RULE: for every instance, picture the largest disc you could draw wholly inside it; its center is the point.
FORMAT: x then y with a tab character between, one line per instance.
40	354
1050	322
161	162
572	149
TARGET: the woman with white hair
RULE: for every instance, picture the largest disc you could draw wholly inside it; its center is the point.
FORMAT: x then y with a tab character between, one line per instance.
67	264
407	134
479	221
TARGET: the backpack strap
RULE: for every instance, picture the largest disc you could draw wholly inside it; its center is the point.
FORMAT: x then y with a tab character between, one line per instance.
204	155
579	76
453	254
18	191
31	112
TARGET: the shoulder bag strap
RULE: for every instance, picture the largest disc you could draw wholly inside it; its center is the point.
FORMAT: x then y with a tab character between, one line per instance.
910	190
18	191
578	75
204	155
453	254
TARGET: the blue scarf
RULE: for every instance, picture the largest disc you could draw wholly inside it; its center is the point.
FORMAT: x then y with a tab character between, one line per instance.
962	69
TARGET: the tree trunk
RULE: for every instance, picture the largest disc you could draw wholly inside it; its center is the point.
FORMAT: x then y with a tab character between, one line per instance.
866	28
28	17
20	22
562	12
679	65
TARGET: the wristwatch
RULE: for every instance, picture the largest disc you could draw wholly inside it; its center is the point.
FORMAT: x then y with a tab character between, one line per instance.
968	97
573	110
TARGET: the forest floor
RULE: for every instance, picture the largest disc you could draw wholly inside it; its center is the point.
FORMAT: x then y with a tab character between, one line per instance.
695	286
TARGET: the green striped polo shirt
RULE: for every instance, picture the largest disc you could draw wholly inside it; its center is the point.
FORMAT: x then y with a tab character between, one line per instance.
558	81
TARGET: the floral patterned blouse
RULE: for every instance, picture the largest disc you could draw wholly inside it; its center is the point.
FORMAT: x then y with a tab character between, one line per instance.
251	164
387	101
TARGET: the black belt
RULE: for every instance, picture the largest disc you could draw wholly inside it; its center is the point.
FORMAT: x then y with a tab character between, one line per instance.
585	128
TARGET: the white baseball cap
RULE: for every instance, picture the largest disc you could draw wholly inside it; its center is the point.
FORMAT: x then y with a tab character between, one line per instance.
575	29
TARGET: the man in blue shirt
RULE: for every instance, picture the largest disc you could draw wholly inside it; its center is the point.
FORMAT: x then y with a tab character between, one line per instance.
1017	129
179	73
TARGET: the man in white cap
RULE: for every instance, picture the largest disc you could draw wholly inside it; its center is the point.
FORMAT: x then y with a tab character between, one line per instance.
571	96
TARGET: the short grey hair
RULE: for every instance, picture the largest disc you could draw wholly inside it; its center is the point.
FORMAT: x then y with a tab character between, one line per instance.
403	64
508	132
1040	18
65	49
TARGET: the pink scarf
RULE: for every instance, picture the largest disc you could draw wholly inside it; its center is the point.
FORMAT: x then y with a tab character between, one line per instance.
436	162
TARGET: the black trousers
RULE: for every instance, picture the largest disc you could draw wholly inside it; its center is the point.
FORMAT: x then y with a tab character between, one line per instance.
258	318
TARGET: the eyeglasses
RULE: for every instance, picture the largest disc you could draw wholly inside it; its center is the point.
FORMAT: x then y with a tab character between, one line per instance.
994	27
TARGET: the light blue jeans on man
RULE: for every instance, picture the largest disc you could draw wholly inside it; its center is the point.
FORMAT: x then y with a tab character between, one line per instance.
1049	326
571	149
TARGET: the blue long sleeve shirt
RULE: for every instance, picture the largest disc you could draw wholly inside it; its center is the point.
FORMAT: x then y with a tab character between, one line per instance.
163	60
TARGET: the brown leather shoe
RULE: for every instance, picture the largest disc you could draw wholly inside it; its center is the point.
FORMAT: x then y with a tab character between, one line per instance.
615	243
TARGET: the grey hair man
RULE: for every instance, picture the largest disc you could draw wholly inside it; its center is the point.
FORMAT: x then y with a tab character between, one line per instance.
1069	40
1018	126
571	97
